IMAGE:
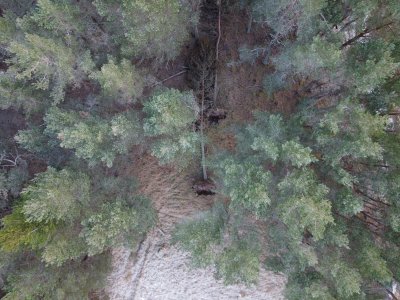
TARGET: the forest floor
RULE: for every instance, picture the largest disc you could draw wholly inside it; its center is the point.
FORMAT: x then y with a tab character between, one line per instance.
159	269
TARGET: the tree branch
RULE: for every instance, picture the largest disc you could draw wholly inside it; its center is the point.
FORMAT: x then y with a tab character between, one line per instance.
364	33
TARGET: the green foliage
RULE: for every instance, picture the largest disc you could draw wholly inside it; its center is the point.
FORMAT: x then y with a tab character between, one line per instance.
369	259
8	28
160	33
15	94
370	64
306	179
109	227
65	218
239	263
200	235
48	65
17	232
11	182
313	59
282	15
94	138
348	203
74	280
245	183
56	196
349	131
306	206
64	246
45	147
59	17
152	29
347	280
307	286
264	136
170	116
297	154
287	252
32	139
126	130
120	81
372	266
169	111
184	147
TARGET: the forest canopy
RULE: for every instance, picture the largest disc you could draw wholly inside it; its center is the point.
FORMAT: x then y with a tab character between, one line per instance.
283	114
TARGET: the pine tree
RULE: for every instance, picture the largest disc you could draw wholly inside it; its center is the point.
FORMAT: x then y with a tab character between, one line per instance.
17	233
370	64
66	217
93	138
56	196
239	262
170	116
245	183
48	64
152	29
109	227
76	279
200	235
120	81
60	17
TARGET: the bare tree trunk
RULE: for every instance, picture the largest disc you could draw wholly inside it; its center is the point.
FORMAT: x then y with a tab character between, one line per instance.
217	53
203	152
364	33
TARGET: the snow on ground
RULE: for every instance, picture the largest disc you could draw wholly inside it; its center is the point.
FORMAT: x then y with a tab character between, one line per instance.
159	270
163	272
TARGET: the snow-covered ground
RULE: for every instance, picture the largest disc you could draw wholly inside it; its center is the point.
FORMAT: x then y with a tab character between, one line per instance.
161	271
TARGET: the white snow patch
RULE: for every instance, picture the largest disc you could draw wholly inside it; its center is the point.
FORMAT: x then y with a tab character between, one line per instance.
163	272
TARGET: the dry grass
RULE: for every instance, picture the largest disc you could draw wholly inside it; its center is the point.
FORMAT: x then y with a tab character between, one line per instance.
159	270
169	189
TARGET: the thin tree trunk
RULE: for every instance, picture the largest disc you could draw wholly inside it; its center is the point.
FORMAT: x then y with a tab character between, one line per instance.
363	33
203	152
217	54
359	191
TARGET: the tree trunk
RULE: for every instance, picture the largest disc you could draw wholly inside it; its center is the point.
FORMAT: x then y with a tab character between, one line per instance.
363	33
203	152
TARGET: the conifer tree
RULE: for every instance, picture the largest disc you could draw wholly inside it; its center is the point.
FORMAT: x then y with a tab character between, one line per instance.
170	116
310	220
152	29
94	138
48	64
120	81
62	18
64	217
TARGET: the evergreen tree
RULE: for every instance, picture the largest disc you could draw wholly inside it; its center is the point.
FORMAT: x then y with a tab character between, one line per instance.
310	220
56	196
152	29
170	116
75	280
65	217
60	17
314	194
47	64
94	138
120	81
108	227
